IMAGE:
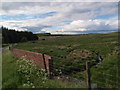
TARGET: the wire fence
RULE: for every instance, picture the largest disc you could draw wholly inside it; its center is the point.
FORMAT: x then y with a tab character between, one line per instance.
104	77
107	79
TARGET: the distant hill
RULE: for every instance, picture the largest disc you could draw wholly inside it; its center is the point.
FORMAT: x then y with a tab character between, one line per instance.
43	34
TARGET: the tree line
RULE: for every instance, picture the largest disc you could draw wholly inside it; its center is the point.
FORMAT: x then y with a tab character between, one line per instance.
13	36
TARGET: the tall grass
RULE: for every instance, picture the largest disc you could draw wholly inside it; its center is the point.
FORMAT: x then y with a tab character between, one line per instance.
0	69
107	74
20	73
62	49
9	71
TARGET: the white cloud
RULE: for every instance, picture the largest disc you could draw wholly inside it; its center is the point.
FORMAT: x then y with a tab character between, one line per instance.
68	8
77	25
60	1
82	15
86	25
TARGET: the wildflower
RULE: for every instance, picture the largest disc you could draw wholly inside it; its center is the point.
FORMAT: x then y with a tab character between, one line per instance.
24	84
45	78
56	69
28	82
43	81
33	86
28	78
58	77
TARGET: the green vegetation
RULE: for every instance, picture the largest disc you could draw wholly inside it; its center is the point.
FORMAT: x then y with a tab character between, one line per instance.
70	52
107	74
12	36
20	73
24	39
43	34
0	70
9	71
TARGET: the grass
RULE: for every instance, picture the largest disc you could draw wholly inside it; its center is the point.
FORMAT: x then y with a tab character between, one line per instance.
12	79
108	72
70	52
0	70
52	45
9	70
66	49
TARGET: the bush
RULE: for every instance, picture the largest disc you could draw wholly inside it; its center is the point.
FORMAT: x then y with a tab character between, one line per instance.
29	74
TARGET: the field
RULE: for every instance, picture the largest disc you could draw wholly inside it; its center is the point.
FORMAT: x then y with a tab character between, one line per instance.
14	76
70	52
61	46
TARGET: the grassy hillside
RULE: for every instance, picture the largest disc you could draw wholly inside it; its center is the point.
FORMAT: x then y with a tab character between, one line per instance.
63	45
70	52
73	47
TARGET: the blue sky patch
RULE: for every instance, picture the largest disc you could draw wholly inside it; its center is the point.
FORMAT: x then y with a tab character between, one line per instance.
15	17
67	21
105	16
26	17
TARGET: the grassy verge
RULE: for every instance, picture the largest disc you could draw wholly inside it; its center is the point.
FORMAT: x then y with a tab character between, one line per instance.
23	74
107	74
9	70
0	70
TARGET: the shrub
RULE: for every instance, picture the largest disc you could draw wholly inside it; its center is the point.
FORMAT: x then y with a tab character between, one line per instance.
30	73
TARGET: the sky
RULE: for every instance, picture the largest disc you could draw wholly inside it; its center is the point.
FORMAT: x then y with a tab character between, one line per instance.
60	17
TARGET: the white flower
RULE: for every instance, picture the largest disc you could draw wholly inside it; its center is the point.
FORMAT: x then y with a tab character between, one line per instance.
28	81
43	81
58	77
33	86
24	84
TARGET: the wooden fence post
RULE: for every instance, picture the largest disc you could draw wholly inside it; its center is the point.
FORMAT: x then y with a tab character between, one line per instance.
88	75
50	68
44	62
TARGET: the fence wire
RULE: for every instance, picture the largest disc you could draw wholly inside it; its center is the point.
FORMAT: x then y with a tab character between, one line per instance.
107	79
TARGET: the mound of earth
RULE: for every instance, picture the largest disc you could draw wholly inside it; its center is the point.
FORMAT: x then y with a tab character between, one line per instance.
79	54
